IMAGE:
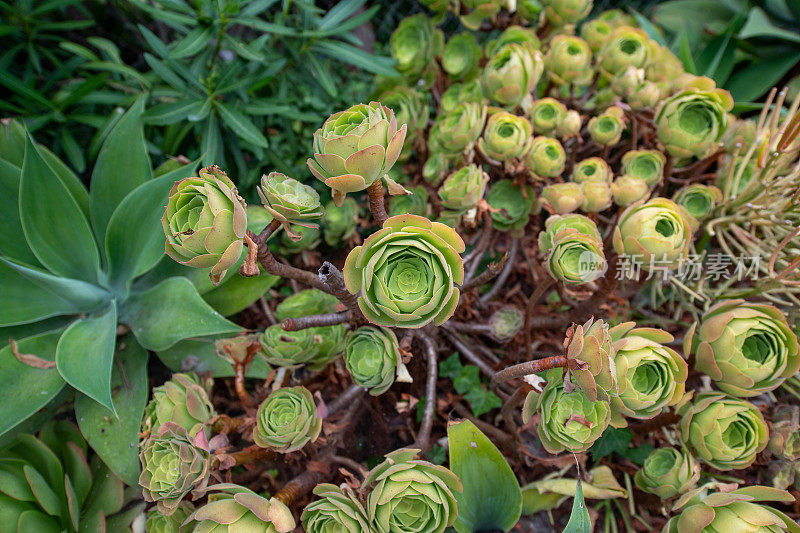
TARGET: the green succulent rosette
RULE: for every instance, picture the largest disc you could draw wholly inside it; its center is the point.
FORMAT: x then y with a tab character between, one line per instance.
784	439
182	400
173	465
299	239
512	73
568	61
513	205
593	169
337	510
415	203
591	346
439	8
722	431
664	68
513	34
562	198
287	420
746	348
546	115
372	356
468	92
457	130
628	189
596	32
414	44
407	272
235	509
477	11
698	199
731	510
651	375
530	10
625	47
546	157
644	164
340	223
411	495
158	522
205	222
655	234
576	259
563	12
411	109
307	302
506	322
606	128
288	200
596	196
691	122
668	472
646	95
461	57
316	347
356	147
507	137
569	420
289	348
570	125
571	223
463	188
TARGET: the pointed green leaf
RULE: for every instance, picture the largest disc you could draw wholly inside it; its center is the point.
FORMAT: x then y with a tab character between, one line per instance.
172	311
238	292
242	126
29	295
85	354
579	521
135	238
194	42
115	440
12	238
492	498
27	389
172	112
55	227
67	177
122	165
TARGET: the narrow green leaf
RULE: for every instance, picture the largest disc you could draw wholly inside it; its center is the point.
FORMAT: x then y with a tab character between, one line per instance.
748	84
357	57
16	85
211	147
242	126
72	150
649	28
339	13
85	355
67	177
55	227
125	70
12	240
122	165
172	112
195	41
115	440
172	311
579	521
491	498
27	389
759	25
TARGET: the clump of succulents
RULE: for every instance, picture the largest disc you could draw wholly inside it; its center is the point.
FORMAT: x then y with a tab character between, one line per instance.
668	472
372	357
183	400
287	420
231	508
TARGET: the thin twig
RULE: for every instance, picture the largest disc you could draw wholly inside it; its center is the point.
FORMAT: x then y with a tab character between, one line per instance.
492	270
315	321
241	391
535	295
501	279
531	367
332	277
462	347
272	266
424	435
348	396
376	202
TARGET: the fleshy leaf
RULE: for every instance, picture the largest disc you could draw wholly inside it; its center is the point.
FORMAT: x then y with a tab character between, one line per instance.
579	521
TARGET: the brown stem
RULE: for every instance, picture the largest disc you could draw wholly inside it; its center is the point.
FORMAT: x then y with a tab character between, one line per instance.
473	258
424	435
535	295
648	426
376	202
347	397
492	270
226	424
517	398
241	391
531	367
271	265
252	454
471	356
501	279
300	485
314	321
332	277
271	228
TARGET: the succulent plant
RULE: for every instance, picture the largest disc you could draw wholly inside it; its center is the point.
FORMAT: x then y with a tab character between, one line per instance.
414	44
513	34
546	115
49	485
569	420
406	272
595	32
591	346
463	188
746	348
628	189
573	249
570	125
651	375
287	420
289	348
356	147
457	130
204	222
626	46
232	509
506	322
570	223
338	509
784	440
478	11
698	199
644	164
731	510
596	196
655	234
507	136
409	494
569	61
299	239
593	169
372	357
512	73
182	400
410	109
530	10
340	223
513	205
468	92
668	472
562	198
461	56
158	522
691	122
563	12
415	203
173	464
546	157
288	200
607	127
724	432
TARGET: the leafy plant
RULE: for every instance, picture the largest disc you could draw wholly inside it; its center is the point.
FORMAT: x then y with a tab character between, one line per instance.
467	382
